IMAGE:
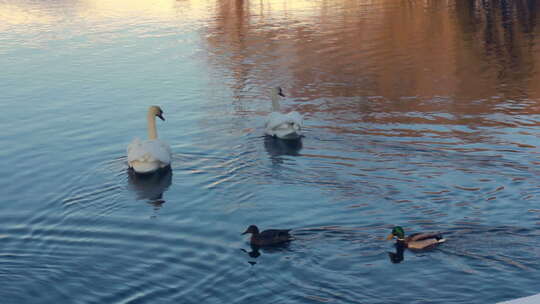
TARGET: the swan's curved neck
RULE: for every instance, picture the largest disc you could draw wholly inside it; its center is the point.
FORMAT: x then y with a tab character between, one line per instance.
152	132
275	102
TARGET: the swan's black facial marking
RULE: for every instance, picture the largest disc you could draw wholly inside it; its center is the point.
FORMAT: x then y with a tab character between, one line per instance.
280	92
160	115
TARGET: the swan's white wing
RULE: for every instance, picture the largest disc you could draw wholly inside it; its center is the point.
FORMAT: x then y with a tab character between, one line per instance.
134	150
284	125
276	120
296	118
149	152
160	150
272	120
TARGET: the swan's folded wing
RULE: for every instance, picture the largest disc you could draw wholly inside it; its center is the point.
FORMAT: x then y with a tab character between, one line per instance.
135	150
160	150
273	120
164	154
296	117
276	120
149	150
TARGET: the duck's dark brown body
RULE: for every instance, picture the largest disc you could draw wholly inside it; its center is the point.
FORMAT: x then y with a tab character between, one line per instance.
268	237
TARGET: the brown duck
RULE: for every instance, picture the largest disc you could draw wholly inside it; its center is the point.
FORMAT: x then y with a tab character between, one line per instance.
415	241
268	237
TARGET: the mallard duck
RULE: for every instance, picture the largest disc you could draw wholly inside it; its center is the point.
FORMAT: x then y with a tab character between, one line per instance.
268	237
415	241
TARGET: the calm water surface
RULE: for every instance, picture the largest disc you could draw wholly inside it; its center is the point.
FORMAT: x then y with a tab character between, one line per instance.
418	113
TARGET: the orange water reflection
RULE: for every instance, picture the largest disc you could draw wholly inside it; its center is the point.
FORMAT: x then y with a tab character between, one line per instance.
466	58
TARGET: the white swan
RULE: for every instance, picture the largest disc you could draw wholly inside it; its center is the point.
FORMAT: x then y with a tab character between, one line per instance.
284	126
149	155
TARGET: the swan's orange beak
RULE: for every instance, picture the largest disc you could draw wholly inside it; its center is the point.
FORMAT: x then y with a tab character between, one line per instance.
389	237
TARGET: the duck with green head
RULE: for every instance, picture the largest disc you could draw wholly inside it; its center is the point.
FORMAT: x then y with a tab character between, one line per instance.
415	241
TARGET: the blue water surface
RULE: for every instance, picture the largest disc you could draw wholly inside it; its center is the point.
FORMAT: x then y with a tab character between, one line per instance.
422	114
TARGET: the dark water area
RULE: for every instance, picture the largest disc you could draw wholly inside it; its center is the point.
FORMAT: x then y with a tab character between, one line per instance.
423	114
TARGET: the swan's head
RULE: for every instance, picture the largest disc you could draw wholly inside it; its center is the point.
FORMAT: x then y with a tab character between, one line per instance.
277	91
156	111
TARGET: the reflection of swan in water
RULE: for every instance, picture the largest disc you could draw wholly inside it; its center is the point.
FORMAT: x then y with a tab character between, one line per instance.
277	147
151	186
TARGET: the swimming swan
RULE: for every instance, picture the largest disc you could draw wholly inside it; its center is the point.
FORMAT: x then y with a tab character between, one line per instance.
284	126
149	155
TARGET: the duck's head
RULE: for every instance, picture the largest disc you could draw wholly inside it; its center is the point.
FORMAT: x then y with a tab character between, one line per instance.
156	111
397	232
278	91
252	229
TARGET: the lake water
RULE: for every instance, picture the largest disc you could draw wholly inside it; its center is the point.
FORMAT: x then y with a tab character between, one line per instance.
423	114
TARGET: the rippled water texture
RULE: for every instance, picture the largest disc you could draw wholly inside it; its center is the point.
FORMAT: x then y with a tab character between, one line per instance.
423	114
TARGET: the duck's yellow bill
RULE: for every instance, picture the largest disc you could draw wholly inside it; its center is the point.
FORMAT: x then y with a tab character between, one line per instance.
389	237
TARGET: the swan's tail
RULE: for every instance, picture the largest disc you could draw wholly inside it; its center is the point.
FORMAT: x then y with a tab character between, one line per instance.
289	130
145	164
143	167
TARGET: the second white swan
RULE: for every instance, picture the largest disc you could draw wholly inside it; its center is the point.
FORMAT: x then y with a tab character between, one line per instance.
147	156
284	126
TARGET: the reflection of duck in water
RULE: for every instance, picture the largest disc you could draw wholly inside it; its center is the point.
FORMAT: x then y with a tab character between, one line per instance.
256	250
254	253
397	257
151	186
415	241
277	147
